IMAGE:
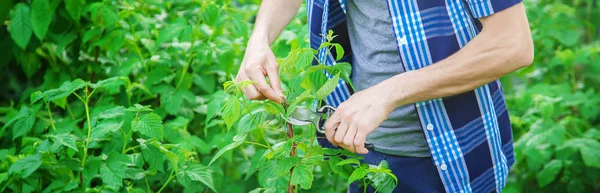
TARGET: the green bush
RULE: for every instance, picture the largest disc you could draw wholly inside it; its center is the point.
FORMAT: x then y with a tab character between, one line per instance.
126	96
554	103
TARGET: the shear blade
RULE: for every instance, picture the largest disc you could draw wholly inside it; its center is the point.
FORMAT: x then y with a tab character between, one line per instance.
295	121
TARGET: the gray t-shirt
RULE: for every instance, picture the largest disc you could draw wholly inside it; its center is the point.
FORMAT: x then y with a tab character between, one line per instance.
375	58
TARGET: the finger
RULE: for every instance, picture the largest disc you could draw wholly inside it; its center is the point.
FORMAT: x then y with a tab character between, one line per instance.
332	121
250	91
329	133
340	133
257	75
349	138
273	74
359	142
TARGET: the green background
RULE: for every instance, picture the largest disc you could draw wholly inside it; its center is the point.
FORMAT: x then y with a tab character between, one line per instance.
72	72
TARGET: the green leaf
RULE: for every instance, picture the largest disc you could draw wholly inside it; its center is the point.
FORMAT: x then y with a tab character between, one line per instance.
67	140
195	172
226	148
23	122
349	161
305	58
20	25
231	111
214	105
339	51
153	156
384	183
106	126
112	83
26	166
246	124
172	102
113	170
549	172
66	89
30	63
591	154
210	14
149	125
41	17
74	8
112	112
328	87
168	34
302	176
3	177
357	174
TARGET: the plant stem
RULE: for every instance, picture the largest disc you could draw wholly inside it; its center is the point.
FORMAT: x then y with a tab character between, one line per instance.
290	134
50	114
89	134
69	111
168	181
147	185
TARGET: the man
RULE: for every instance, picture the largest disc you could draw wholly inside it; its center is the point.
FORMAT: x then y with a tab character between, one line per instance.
426	78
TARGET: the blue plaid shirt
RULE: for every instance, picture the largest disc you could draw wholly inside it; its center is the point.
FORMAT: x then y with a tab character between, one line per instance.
469	134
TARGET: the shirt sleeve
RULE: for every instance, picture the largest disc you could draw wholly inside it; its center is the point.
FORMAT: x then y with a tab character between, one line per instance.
484	8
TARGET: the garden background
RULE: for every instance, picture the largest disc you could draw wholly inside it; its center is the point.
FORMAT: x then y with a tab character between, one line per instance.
127	96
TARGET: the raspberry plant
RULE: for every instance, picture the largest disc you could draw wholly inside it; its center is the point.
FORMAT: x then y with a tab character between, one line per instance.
291	153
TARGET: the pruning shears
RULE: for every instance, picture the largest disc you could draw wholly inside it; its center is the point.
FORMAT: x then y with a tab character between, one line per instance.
305	116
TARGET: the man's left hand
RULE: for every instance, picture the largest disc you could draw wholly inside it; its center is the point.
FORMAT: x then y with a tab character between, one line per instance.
358	116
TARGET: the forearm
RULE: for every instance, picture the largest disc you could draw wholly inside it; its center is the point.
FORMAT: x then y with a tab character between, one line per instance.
490	55
272	17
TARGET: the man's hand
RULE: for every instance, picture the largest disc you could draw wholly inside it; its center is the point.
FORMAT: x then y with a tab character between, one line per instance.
357	117
259	61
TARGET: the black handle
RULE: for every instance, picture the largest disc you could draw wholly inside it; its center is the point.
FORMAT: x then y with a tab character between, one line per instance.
369	146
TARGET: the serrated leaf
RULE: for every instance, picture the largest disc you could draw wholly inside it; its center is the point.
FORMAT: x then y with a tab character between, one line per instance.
214	105
112	83
153	156
246	124
197	173
26	166
135	173
22	123
226	148
328	87
305	58
349	161
74	8
41	17
67	140
112	112
106	126
66	89
549	172
113	170
149	125
302	176
231	111
357	174
20	25
172	102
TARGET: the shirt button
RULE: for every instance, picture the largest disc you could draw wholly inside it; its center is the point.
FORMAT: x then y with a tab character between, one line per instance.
429	126
443	167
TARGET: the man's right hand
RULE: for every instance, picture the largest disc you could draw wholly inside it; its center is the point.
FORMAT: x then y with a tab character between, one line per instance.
259	61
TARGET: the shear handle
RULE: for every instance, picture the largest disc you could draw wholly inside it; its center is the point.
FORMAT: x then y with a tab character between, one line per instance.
329	110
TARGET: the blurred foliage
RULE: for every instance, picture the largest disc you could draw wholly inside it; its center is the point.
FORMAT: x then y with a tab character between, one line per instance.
554	103
115	96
